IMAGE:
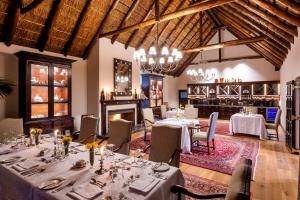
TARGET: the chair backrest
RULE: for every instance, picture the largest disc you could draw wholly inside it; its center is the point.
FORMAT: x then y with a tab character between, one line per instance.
165	140
189	106
212	124
163	109
10	128
148	115
88	129
277	118
120	135
191	113
239	186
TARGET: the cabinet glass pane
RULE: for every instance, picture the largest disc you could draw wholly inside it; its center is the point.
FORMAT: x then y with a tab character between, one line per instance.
60	94
60	76
39	111
152	103
39	94
60	109
39	74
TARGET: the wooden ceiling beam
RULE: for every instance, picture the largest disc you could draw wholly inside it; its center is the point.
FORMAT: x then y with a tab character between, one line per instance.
99	30
69	43
289	29
11	22
153	27
292	5
245	25
230	59
253	26
125	18
262	22
180	13
277	12
133	34
44	36
30	6
213	18
226	44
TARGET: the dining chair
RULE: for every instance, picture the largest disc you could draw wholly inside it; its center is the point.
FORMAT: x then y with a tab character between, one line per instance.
163	110
238	189
190	113
119	134
148	119
274	126
165	144
11	128
209	135
88	129
189	106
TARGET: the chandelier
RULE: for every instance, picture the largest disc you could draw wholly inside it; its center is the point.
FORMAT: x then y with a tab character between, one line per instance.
199	75
156	59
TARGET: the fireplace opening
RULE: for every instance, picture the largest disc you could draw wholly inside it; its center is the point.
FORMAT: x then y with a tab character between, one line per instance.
127	114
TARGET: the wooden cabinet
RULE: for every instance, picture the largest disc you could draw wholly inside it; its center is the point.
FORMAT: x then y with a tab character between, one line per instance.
45	88
152	86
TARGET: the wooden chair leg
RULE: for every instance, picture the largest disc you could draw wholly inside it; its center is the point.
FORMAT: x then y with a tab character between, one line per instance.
208	148
145	136
213	141
277	134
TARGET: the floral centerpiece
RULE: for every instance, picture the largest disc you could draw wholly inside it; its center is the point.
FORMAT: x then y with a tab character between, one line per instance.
66	141
36	132
92	146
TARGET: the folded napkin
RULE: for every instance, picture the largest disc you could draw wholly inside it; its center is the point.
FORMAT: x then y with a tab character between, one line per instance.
22	166
85	191
144	185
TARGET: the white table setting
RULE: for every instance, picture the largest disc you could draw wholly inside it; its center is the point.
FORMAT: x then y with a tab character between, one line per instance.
30	174
172	113
252	124
184	124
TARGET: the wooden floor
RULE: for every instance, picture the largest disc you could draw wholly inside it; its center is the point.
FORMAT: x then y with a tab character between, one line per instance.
276	175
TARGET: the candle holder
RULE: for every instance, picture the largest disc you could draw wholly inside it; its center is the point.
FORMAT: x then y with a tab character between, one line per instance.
101	170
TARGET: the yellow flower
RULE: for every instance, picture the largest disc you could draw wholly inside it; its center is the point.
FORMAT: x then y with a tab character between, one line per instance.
36	131
67	139
93	145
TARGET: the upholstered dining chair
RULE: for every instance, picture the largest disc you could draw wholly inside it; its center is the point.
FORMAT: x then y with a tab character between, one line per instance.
88	129
163	110
10	128
209	135
148	118
190	113
165	144
120	135
274	126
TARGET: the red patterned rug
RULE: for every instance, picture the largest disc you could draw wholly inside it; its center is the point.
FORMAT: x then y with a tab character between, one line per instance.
221	128
203	186
229	151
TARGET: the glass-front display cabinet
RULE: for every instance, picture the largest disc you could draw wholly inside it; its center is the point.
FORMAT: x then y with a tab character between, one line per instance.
45	92
152	86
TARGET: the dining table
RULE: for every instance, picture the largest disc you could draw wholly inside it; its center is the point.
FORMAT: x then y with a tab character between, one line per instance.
185	134
252	124
122	176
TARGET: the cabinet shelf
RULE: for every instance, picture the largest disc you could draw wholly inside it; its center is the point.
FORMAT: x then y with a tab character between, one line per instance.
40	102
39	85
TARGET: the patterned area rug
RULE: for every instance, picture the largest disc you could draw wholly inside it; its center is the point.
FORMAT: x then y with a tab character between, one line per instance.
221	128
229	151
203	186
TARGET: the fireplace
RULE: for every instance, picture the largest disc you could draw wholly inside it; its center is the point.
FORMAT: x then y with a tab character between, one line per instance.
127	114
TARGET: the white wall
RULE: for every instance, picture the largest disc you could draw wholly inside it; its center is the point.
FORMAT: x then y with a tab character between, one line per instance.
9	70
289	71
170	91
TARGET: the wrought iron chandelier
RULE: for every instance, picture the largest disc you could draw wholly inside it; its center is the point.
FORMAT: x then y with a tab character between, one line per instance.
159	60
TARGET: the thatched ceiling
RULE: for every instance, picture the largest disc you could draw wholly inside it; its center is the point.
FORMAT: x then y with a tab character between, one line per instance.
71	26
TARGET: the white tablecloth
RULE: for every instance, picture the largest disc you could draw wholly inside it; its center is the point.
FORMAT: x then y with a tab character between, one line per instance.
172	113
185	137
252	124
15	186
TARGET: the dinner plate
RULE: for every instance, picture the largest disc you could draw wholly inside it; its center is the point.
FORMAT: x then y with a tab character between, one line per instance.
10	159
161	167
51	183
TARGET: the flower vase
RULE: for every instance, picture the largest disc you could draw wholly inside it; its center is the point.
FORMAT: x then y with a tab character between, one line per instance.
66	146
37	139
92	155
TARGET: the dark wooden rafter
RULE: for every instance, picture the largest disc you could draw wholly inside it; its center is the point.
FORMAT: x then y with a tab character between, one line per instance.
99	30
263	23
11	22
125	18
69	43
214	18
153	27
180	13
246	25
288	28
292	5
133	34
230	59
30	6
277	12
44	36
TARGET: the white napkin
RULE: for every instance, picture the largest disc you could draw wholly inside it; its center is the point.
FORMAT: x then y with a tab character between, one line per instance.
144	185
22	166
85	191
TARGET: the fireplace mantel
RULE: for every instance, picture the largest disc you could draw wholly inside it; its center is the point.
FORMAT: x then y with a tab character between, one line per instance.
120	102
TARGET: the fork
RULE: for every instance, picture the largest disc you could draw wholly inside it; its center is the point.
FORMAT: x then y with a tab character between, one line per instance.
71	183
